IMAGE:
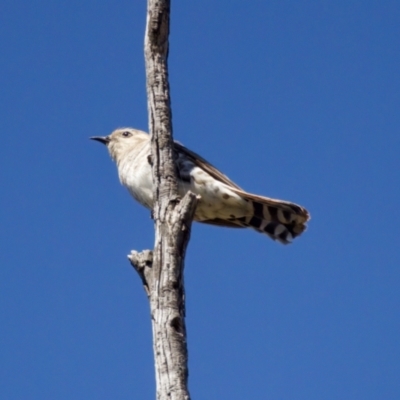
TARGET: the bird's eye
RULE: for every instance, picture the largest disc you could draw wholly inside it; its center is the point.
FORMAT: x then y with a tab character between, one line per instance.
126	134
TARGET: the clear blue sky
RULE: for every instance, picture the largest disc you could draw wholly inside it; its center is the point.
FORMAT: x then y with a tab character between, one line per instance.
296	100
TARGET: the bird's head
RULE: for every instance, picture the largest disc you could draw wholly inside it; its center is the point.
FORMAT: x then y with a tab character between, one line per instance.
122	141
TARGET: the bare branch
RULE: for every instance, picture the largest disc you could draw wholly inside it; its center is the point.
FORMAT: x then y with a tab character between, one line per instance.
162	270
142	262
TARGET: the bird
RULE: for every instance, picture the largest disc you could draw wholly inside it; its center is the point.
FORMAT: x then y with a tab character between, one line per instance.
221	202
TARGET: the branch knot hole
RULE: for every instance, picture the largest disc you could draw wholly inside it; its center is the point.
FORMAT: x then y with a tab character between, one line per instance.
177	325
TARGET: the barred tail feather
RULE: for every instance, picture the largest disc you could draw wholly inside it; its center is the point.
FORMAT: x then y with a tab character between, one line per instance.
280	220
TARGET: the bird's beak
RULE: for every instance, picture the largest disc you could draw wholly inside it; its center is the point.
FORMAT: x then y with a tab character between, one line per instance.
103	139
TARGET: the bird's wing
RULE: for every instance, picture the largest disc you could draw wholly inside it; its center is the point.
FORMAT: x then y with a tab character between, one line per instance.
213	172
275	214
206	166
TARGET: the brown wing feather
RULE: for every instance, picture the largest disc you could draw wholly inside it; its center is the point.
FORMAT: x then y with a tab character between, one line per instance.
206	166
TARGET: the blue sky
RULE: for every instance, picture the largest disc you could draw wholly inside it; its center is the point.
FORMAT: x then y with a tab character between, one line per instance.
296	100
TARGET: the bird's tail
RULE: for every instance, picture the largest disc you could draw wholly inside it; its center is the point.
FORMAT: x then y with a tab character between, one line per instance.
280	220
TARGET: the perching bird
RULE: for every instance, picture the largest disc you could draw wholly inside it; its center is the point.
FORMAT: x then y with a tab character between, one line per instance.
221	201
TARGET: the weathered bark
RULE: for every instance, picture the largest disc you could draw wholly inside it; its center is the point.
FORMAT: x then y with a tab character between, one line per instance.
162	270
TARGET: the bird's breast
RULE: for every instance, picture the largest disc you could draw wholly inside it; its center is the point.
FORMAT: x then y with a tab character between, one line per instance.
136	177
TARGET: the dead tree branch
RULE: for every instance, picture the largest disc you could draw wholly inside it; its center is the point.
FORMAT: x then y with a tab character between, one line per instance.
162	270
